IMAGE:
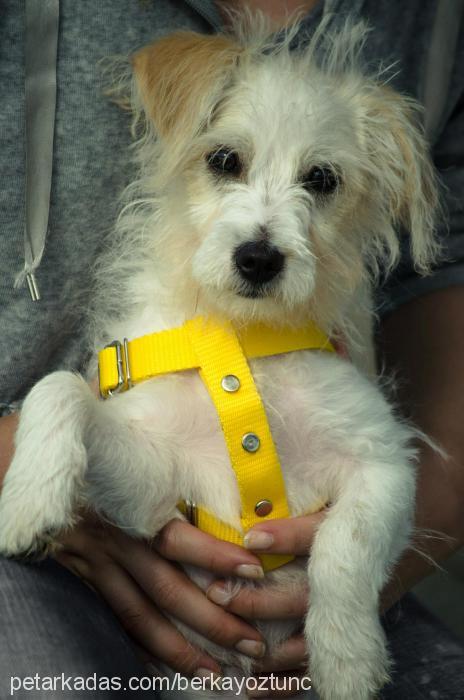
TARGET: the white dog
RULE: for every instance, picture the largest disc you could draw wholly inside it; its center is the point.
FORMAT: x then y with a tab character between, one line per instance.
272	184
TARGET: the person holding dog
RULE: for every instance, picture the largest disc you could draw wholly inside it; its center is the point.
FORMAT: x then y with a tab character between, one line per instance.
139	581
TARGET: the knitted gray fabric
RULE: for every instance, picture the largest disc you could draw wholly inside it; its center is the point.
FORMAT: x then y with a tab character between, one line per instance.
91	160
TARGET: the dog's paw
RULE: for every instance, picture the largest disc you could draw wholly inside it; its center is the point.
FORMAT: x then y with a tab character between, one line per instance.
33	550
30	519
348	655
24	531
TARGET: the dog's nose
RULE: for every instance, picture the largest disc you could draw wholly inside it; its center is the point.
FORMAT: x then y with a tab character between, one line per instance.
258	262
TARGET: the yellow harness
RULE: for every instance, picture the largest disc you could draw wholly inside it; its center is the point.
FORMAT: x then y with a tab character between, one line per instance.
219	352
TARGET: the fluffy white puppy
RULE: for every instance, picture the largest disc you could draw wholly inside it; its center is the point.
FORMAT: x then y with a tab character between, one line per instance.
272	185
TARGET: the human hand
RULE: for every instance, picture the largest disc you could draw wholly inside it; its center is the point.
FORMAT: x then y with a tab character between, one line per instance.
280	536
294	536
142	585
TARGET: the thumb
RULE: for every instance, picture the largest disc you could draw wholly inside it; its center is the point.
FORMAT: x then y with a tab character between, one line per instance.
284	535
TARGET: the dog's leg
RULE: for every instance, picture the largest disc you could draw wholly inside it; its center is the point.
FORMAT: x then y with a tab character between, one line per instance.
42	484
73	449
132	479
355	547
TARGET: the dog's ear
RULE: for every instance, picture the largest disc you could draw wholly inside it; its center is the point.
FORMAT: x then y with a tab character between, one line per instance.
402	168
181	77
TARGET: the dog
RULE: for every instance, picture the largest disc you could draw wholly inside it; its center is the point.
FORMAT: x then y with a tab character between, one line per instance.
272	184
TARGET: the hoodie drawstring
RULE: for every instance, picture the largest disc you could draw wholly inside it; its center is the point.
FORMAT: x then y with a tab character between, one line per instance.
42	18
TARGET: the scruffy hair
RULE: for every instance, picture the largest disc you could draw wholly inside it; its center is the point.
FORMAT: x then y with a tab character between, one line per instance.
177	89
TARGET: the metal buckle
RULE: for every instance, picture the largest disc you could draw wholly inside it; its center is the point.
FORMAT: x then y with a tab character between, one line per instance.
191	512
122	363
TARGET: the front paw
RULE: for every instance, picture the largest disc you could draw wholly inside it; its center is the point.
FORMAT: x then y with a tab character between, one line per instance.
32	512
25	530
16	544
348	654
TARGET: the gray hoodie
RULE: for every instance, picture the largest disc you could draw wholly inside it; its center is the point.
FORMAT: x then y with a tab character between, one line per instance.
91	164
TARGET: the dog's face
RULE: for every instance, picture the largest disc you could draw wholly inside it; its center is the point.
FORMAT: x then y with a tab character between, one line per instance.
268	192
282	181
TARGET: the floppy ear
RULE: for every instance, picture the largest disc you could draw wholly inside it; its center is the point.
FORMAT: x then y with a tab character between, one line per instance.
403	169
180	79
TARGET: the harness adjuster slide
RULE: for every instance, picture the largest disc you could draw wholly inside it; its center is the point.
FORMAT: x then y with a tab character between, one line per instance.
122	366
191	512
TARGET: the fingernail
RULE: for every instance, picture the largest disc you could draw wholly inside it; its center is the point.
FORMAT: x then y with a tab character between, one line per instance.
218	594
258	540
251	647
249	571
207	674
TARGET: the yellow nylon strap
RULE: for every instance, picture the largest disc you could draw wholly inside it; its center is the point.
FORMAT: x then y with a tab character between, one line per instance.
216	349
258	474
159	353
258	340
149	356
171	351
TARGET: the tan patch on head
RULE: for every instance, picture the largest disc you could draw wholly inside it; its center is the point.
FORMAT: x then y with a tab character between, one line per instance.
181	77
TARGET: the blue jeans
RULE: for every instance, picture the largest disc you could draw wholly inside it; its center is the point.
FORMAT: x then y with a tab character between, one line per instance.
52	624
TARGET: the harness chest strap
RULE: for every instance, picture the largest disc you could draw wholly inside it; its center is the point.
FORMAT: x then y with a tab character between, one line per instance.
220	354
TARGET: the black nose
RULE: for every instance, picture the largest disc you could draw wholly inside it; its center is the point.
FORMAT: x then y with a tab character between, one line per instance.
258	262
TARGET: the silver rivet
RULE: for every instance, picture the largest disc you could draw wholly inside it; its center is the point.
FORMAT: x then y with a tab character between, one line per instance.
263	508
230	383
250	442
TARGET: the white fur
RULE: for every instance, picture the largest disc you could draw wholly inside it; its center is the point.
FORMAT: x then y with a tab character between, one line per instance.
134	456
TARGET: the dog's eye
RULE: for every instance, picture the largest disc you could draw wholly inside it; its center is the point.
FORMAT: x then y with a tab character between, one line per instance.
224	161
322	180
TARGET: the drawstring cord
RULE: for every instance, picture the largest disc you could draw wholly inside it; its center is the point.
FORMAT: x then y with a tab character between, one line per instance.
42	17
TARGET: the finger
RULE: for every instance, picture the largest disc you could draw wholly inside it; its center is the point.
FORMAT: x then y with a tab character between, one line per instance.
289	656
91	536
182	542
279	685
74	564
261	603
146	625
284	535
172	591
